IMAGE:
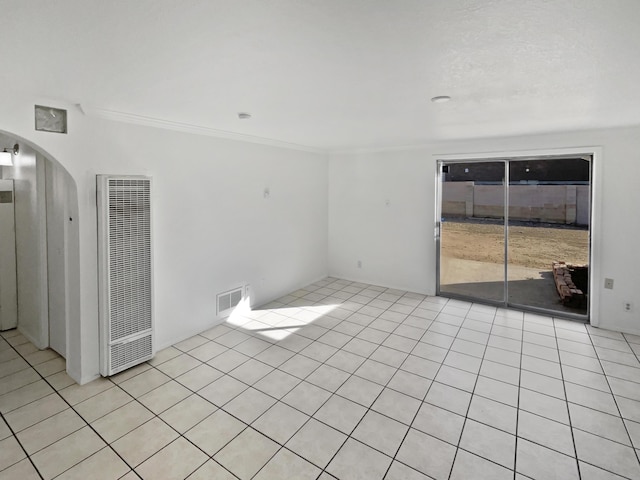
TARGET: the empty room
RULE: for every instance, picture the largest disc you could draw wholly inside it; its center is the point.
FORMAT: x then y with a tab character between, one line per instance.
320	239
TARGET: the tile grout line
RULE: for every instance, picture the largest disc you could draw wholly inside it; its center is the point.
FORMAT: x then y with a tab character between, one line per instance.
346	319
634	353
323	470
424	396
515	450
454	367
442	363
182	435
368	409
587	333
568	402
133	399
354	336
81	417
466	415
154	416
247	425
582	406
615	400
351	374
566	381
566	398
13	433
222	407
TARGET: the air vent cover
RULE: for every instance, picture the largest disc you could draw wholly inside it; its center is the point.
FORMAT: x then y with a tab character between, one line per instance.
227	301
125	271
128	353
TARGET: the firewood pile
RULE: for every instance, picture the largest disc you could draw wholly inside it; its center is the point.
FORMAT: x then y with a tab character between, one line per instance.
570	295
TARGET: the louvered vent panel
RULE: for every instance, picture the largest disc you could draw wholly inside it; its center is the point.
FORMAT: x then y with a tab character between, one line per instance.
228	301
128	354
125	271
236	296
129	257
224	302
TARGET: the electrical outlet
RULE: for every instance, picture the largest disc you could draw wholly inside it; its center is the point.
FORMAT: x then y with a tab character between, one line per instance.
628	306
608	283
359	263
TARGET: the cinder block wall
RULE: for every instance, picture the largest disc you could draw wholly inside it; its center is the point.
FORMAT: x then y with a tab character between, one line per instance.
566	204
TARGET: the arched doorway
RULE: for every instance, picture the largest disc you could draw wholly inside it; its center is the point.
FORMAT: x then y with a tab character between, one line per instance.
45	205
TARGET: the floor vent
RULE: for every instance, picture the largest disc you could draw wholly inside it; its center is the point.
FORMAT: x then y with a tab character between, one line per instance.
227	301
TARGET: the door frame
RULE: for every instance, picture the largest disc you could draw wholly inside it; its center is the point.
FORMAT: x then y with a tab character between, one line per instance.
595	233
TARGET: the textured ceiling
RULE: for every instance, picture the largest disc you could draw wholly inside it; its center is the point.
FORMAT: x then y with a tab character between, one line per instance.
335	74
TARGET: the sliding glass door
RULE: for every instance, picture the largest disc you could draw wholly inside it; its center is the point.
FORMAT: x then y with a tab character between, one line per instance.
472	233
515	232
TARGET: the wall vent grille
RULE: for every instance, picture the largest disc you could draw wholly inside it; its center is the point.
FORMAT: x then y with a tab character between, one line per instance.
227	301
125	271
128	354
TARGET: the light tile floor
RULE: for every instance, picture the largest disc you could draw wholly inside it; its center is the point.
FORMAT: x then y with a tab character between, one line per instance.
338	380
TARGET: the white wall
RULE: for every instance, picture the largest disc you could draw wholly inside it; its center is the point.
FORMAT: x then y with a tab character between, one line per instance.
393	241
396	242
213	228
28	175
56	180
8	269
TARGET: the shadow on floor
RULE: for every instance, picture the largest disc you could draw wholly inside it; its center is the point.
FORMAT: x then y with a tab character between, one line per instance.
535	292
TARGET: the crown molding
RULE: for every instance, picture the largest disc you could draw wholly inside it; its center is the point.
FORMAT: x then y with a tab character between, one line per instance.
136	119
369	150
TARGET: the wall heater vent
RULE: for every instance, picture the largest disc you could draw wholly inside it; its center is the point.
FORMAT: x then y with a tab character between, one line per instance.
125	272
227	301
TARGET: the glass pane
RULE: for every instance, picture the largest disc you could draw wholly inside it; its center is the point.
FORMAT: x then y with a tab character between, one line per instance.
548	234
472	230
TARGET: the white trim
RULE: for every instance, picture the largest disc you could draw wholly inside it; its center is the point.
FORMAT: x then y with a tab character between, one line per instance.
188	334
595	263
509	154
34	340
84	380
189	128
43	254
444	142
595	232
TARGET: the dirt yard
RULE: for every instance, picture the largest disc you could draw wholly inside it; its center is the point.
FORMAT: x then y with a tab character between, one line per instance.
529	246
